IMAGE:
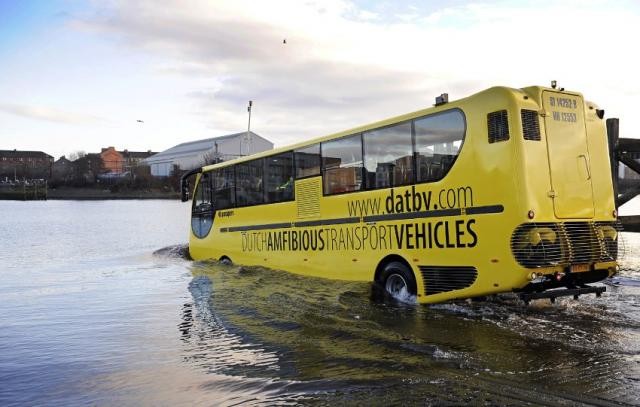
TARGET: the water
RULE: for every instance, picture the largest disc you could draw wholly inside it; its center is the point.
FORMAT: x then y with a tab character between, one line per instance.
89	315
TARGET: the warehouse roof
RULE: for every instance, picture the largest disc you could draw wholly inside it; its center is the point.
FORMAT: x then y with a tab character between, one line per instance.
191	148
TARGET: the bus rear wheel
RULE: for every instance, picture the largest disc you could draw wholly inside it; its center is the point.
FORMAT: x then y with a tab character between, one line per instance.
398	280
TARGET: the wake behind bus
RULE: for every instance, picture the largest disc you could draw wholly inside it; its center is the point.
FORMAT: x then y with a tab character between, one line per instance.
507	190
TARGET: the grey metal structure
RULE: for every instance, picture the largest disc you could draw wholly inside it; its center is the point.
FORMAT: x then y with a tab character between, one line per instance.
627	152
194	154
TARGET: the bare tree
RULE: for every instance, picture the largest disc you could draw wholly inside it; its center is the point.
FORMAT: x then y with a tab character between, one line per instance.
211	156
77	155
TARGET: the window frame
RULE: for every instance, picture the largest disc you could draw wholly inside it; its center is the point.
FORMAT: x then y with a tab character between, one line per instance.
231	169
262	193
295	167
415	152
293	178
363	187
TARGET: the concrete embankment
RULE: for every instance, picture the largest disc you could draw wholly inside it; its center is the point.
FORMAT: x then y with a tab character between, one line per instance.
83	194
98	194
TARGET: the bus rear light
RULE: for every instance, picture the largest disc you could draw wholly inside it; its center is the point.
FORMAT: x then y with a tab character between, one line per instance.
531	214
533	276
559	276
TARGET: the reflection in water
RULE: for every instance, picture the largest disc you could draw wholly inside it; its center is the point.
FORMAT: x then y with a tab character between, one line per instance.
331	341
229	353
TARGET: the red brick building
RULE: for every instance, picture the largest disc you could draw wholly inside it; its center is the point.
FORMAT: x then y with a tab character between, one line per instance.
117	162
17	164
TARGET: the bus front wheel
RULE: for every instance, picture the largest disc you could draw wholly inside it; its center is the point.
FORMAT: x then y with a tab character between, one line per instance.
398	280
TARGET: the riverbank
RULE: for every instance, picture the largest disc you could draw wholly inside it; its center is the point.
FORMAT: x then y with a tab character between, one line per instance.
99	194
87	194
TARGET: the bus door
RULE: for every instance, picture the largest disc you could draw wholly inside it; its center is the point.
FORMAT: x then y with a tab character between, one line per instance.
569	161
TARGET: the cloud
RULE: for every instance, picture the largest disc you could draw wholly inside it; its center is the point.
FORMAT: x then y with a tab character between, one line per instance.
50	114
343	65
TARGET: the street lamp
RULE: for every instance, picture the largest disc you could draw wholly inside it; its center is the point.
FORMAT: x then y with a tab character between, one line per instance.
248	135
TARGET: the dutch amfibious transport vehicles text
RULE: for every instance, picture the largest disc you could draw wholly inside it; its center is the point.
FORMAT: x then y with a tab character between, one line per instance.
508	190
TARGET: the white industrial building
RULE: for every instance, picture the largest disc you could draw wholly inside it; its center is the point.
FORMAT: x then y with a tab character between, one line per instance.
194	154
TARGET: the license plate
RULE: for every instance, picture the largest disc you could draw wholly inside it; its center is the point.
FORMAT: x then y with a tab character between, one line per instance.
579	268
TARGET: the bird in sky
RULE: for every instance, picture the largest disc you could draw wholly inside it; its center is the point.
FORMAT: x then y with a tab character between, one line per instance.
284	41
140	121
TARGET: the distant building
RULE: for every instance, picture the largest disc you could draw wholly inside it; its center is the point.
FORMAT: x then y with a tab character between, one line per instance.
193	154
112	160
62	169
118	162
17	164
134	158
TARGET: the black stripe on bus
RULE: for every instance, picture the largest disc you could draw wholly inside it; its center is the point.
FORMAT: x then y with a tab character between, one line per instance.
309	223
374	218
339	221
259	227
414	215
484	209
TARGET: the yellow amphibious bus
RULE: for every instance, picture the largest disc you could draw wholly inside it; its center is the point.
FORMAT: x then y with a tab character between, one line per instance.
507	190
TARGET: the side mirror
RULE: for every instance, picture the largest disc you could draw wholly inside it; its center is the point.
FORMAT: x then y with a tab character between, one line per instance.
184	184
184	191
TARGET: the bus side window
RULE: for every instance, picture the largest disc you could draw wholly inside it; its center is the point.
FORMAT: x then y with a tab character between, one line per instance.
342	165
307	161
388	156
224	194
438	139
249	183
279	177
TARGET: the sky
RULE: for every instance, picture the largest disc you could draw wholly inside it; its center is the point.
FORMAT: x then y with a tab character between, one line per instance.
79	75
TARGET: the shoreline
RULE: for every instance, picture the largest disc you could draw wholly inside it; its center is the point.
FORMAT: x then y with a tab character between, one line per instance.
85	194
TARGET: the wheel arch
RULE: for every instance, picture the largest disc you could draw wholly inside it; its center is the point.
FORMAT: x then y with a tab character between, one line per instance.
389	259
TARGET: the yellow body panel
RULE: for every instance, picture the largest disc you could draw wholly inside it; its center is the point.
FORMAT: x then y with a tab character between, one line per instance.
468	218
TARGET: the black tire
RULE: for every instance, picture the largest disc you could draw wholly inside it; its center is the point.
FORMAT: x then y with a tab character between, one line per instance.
226	261
394	276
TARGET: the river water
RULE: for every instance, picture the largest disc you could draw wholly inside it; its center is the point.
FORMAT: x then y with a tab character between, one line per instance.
90	315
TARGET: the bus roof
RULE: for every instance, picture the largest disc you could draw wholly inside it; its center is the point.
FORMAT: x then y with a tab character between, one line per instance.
382	123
